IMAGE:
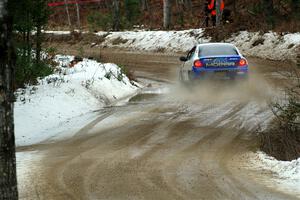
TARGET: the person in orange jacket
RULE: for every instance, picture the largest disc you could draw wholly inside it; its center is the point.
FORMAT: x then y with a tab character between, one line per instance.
212	8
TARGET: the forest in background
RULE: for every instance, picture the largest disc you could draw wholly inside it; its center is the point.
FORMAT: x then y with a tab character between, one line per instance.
278	15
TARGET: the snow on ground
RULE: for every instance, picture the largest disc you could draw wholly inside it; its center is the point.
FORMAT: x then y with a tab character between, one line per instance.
64	102
161	41
286	173
58	32
268	46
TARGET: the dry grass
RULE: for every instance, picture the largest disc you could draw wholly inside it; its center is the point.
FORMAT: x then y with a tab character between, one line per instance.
282	140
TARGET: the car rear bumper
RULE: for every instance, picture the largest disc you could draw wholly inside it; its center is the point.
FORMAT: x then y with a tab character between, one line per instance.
219	73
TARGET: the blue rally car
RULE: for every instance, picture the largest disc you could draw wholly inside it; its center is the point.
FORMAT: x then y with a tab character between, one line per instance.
213	60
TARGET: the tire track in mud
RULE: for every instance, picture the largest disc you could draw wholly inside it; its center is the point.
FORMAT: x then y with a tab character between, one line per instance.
79	141
67	165
76	149
237	108
202	152
57	174
153	146
169	146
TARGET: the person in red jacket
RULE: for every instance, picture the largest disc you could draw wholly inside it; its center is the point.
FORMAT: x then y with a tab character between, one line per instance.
212	8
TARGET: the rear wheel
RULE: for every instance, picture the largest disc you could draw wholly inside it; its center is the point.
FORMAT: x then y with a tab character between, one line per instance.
184	76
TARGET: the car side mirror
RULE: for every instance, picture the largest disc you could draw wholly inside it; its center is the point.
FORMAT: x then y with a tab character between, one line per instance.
183	59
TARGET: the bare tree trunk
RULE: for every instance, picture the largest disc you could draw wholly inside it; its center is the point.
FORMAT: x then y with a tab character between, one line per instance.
188	4
144	4
107	3
177	2
116	14
167	14
218	10
68	14
28	46
38	25
8	177
269	11
38	43
78	15
234	7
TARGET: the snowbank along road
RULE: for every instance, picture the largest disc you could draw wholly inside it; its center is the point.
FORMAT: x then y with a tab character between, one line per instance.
167	142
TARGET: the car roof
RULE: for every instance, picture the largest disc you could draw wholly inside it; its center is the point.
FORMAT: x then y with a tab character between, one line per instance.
216	44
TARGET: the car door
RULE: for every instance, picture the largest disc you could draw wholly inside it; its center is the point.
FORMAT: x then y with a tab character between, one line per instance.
189	63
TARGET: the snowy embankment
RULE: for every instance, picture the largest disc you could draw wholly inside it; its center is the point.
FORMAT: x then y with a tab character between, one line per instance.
62	103
159	41
267	46
286	173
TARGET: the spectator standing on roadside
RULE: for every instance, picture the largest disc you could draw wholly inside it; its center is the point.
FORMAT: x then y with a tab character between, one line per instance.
212	9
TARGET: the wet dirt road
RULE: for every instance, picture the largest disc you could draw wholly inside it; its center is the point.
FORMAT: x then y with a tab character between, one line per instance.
157	146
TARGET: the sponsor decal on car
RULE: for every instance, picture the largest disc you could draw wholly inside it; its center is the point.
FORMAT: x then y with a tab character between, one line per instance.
219	64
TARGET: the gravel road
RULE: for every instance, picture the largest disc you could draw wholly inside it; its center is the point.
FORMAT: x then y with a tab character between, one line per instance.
161	145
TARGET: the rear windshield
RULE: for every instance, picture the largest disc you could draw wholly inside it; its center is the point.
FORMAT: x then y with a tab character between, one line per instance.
216	50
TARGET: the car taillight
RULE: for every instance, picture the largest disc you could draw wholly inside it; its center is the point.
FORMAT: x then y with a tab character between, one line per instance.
198	64
242	62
